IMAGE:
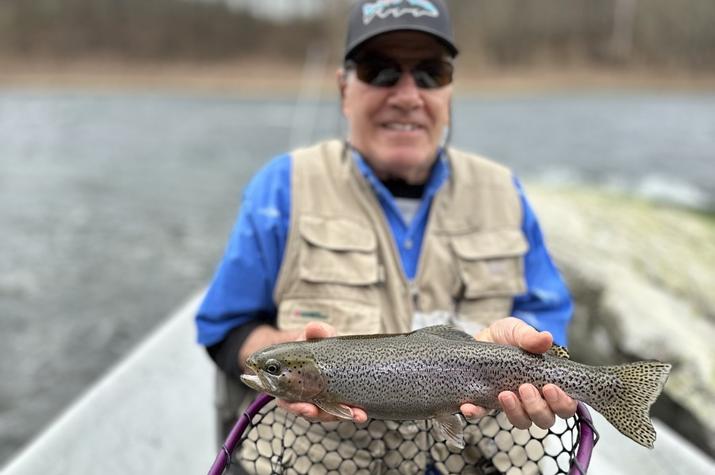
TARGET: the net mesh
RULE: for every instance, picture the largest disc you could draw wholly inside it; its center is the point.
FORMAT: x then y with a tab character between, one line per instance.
282	443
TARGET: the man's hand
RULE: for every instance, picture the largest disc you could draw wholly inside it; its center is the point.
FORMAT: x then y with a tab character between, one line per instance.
311	411
529	405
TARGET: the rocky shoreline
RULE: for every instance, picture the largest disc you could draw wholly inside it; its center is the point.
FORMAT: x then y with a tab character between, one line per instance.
642	277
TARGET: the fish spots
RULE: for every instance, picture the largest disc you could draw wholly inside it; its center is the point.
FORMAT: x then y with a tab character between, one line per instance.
425	373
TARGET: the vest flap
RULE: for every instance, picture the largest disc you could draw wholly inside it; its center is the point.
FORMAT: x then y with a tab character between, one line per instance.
490	244
337	234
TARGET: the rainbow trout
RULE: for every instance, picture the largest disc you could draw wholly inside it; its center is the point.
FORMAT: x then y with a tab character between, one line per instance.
429	373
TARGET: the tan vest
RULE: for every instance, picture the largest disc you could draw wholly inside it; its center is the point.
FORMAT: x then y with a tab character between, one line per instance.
341	265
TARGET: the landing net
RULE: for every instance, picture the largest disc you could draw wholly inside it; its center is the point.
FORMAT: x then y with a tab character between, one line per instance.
282	443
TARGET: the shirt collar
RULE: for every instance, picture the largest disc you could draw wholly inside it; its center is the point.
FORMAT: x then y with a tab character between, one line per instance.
438	174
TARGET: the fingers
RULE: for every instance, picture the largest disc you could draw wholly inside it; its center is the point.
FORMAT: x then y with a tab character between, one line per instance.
306	410
313	413
560	403
359	415
535	406
515	332
514	410
535	341
470	411
317	330
529	406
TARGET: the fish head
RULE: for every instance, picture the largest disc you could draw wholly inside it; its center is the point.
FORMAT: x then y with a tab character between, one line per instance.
287	371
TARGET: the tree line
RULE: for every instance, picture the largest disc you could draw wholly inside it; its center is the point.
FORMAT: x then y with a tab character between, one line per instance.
501	33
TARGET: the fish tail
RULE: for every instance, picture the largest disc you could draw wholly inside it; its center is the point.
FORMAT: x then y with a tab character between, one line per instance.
638	386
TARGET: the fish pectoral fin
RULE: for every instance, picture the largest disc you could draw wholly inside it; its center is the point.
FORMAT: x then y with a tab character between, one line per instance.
450	427
341	411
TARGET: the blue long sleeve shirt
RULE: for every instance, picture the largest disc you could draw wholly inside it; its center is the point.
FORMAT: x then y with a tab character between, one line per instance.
242	288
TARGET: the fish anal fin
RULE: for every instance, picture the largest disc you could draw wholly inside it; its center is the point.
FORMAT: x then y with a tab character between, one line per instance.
559	352
341	411
450	427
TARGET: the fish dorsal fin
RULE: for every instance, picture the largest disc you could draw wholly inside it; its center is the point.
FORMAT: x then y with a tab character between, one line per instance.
450	427
341	411
559	352
445	331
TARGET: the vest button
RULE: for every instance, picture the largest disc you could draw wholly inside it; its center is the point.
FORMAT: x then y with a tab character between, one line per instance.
408	244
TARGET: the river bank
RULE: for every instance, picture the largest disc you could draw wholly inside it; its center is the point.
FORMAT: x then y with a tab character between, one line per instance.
260	77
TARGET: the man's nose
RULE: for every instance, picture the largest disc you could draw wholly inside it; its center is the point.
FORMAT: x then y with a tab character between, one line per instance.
406	94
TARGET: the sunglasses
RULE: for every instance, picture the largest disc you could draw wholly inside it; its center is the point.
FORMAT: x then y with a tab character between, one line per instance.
383	72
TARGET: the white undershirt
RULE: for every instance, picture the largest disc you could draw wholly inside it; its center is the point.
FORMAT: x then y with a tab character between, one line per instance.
408	208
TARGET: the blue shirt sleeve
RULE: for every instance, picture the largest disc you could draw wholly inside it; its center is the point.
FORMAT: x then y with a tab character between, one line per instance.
242	286
546	305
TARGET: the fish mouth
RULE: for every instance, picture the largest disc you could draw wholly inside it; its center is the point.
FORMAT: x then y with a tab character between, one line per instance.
258	380
253	381
251	377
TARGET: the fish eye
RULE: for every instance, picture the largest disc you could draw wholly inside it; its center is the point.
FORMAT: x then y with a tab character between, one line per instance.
272	367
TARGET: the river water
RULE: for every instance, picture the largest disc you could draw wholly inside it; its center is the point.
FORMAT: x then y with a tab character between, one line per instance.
115	207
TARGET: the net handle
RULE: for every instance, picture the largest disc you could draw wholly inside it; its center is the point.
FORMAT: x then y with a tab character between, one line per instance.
587	438
223	458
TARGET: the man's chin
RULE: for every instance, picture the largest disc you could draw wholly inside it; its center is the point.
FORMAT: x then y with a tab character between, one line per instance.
411	168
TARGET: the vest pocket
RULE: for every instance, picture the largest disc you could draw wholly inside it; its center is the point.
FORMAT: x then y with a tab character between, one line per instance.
338	276
491	270
337	251
491	263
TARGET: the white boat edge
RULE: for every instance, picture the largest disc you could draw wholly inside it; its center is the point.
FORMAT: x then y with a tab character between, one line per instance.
153	413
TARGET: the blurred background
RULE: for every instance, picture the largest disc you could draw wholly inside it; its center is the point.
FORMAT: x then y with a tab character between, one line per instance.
128	130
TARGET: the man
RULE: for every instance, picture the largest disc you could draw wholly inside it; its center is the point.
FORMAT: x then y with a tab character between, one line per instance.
390	230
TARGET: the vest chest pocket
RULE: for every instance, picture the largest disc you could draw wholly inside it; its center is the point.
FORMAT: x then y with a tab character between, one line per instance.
337	251
338	274
491	268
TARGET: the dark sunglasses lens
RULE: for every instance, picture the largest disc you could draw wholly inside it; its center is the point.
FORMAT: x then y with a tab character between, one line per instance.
383	73
378	73
432	75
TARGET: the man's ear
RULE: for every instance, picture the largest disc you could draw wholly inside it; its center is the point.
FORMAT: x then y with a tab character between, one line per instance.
342	79
342	76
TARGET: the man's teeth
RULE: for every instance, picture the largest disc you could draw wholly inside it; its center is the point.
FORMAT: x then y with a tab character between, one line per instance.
401	127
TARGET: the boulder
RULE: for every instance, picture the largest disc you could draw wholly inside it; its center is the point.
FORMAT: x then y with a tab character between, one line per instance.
643	279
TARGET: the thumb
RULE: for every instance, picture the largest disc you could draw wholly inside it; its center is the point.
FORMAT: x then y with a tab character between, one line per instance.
515	332
317	330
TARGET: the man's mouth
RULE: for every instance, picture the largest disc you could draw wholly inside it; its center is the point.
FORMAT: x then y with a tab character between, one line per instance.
401	126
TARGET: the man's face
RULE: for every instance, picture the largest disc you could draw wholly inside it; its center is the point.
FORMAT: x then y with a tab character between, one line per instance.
397	129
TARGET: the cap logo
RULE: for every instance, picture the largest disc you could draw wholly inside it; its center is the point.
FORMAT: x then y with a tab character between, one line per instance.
397	8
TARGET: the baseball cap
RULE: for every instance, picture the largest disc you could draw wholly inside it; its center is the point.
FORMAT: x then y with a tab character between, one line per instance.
371	18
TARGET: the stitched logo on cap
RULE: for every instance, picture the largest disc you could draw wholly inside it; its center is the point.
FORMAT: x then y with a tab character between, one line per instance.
397	8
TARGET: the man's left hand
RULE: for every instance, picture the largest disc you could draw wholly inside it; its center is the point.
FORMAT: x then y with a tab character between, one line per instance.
529	405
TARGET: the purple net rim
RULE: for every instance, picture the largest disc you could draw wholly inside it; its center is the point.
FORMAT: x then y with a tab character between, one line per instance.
587	437
224	456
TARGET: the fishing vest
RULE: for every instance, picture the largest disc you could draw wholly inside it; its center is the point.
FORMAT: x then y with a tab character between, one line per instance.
341	265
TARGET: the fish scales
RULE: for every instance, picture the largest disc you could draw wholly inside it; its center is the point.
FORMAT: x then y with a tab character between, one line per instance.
431	372
412	378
